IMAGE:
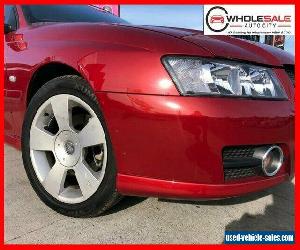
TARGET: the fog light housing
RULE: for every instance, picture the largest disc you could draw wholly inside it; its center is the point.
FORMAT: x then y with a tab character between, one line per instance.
271	159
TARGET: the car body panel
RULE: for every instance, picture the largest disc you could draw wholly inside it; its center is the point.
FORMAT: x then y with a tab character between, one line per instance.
99	57
239	49
229	47
182	138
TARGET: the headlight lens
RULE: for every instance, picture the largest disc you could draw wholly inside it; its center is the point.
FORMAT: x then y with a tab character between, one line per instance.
198	76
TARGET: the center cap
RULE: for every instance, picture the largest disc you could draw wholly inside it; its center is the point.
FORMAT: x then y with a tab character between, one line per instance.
67	148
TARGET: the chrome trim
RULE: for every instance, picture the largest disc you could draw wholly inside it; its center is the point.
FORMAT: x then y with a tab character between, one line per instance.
263	152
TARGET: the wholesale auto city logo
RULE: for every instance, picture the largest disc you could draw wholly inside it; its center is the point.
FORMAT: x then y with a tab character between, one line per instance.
249	20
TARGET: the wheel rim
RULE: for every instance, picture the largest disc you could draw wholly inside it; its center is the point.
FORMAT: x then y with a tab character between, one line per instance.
68	148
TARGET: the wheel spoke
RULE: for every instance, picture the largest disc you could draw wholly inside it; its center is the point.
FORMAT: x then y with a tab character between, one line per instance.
92	134
54	182
41	140
88	183
60	107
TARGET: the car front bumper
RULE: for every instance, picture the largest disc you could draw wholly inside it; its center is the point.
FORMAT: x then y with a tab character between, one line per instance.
171	146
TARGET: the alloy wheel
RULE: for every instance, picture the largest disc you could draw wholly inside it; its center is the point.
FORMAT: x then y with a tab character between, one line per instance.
68	148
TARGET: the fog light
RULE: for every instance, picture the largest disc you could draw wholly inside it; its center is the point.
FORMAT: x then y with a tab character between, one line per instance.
271	159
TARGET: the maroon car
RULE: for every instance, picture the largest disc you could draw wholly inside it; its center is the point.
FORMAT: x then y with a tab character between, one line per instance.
102	108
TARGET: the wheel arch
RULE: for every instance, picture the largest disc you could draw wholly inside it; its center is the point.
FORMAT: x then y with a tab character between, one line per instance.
45	73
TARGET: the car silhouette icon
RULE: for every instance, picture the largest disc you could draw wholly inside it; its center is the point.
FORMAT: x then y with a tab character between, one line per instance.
217	19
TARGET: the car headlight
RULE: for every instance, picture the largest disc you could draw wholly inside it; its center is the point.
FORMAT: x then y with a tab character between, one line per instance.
198	76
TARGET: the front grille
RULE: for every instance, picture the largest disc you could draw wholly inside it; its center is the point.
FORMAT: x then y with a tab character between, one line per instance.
290	70
238	162
237	173
240	152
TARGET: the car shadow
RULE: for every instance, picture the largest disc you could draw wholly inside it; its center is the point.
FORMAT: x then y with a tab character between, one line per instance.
276	217
221	202
125	203
286	190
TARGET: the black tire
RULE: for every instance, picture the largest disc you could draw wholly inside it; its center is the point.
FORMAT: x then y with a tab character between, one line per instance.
106	195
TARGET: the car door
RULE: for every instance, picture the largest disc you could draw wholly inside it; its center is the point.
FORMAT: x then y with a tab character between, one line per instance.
10	18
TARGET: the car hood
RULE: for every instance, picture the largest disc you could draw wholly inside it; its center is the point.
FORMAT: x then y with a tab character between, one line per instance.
229	47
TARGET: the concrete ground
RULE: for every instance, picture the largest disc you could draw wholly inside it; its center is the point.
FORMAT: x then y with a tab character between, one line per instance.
140	220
